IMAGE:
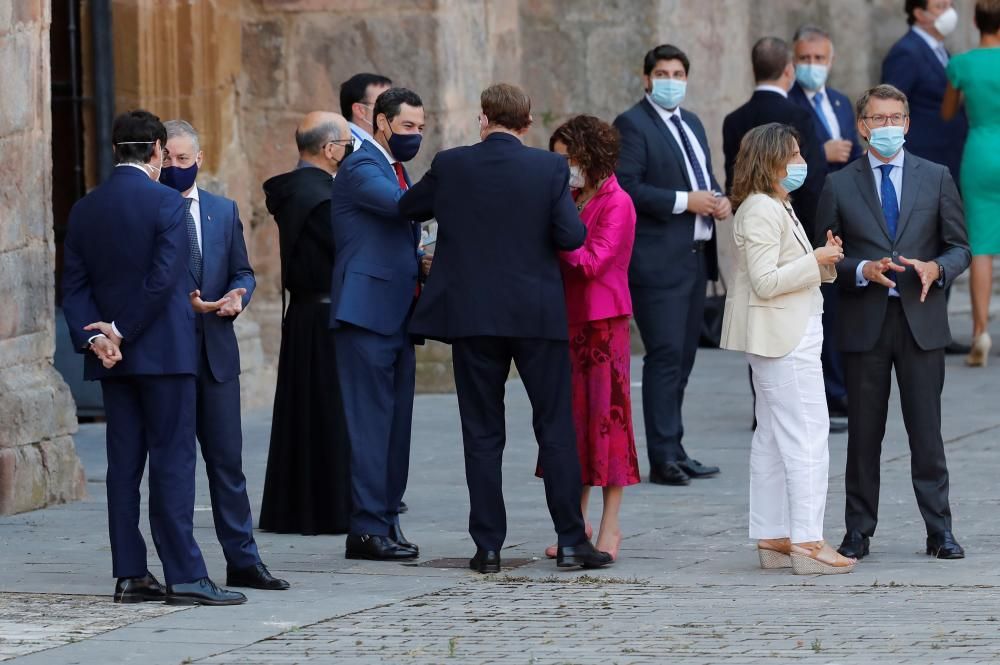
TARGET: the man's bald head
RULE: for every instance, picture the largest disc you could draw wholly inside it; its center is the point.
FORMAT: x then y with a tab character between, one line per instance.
317	129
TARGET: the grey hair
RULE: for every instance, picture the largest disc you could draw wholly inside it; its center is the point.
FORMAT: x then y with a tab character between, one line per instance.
182	128
810	32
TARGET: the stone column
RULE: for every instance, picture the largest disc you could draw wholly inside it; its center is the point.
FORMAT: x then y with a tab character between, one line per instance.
38	463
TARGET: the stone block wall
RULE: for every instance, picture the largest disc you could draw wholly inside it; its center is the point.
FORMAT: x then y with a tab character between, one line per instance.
38	463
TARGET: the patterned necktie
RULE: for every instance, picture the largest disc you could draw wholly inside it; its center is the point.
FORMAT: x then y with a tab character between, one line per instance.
699	175
818	106
194	259
400	175
890	205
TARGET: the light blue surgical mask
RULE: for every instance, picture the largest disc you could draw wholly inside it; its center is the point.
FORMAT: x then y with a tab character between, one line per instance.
796	175
811	77
887	141
668	93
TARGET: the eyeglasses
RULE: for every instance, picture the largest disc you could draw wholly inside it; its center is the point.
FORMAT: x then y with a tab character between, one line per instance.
880	120
339	142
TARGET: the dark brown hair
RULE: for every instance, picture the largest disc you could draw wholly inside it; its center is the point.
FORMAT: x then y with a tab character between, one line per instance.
506	105
764	154
592	144
988	16
881	91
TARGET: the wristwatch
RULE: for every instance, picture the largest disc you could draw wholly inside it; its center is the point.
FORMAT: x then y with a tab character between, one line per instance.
940	280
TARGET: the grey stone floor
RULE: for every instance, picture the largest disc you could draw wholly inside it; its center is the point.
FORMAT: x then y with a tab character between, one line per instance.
686	589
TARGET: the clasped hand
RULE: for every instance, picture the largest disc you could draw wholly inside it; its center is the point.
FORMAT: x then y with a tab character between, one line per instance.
832	252
230	304
107	347
709	205
928	272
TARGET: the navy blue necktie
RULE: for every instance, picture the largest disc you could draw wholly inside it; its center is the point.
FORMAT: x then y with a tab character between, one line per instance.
194	258
890	205
699	175
818	106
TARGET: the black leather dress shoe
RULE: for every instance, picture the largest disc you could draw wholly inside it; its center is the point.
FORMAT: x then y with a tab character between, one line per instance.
838	426
397	535
957	349
696	469
202	592
403	507
854	545
485	561
376	548
138	589
669	473
255	577
837	407
583	554
944	546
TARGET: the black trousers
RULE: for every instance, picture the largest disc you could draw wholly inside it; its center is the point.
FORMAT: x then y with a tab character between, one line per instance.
482	365
669	321
920	377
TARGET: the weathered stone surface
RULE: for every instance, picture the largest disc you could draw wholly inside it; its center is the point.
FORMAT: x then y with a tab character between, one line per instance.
40	474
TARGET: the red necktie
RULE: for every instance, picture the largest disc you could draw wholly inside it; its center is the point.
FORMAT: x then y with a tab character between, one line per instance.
400	176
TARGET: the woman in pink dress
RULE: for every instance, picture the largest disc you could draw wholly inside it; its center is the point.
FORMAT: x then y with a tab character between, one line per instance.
599	307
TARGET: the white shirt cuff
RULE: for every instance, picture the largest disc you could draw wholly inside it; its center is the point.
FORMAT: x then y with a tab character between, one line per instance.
859	274
680	202
115	329
91	339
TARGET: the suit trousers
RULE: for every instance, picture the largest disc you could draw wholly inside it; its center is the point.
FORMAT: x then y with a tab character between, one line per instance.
669	321
221	437
920	377
482	365
377	377
152	416
789	455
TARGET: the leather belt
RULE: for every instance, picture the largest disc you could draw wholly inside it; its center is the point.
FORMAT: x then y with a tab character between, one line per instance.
311	298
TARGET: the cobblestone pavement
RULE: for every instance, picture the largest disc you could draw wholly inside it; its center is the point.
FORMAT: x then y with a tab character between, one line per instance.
686	588
31	622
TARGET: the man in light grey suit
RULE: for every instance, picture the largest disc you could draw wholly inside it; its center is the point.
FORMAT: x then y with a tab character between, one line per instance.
903	228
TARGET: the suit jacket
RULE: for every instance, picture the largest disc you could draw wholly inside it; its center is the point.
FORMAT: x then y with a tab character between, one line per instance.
376	264
225	266
596	275
766	106
777	280
931	226
843	109
652	167
125	261
912	67
503	212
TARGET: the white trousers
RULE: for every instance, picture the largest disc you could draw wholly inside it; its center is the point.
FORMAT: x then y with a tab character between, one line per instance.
789	457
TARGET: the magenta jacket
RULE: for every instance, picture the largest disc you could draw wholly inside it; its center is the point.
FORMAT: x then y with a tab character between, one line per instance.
596	275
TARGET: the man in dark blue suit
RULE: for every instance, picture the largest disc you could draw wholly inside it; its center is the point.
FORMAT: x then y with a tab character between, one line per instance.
666	167
916	65
374	283
125	263
221	284
495	293
833	120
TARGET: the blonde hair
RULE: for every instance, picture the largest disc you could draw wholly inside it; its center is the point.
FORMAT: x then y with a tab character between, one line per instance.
763	156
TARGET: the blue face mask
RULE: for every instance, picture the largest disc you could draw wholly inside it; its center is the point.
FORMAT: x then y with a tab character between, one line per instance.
177	178
796	175
404	147
811	77
887	141
668	93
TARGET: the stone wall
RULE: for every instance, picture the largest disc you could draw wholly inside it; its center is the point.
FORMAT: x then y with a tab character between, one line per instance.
38	463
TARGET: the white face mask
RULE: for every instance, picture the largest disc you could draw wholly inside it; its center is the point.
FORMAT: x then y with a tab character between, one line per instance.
576	179
946	22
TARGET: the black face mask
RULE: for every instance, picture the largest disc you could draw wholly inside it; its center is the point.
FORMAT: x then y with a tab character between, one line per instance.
348	150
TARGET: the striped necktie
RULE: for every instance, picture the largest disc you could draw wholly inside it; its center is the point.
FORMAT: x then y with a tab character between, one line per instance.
194	259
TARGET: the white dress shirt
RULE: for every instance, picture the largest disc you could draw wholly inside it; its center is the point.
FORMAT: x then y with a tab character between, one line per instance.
359	135
703	228
896	178
767	87
827	108
392	160
936	45
195	212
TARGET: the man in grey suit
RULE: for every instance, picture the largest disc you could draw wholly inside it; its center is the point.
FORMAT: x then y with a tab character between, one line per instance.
903	228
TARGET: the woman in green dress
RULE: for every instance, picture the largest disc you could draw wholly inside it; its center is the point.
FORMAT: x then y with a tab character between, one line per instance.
974	79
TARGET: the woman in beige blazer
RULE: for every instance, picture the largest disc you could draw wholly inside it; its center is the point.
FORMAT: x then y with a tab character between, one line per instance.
774	315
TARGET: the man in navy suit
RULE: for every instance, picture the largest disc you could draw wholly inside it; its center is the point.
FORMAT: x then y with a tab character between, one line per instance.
833	120
496	293
666	167
374	283
916	65
221	284
125	298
